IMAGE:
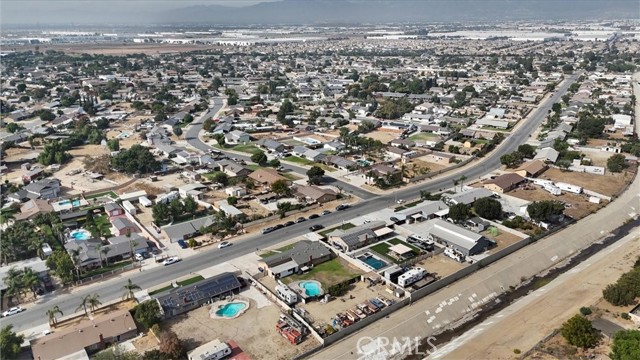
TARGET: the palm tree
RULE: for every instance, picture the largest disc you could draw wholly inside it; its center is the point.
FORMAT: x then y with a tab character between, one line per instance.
51	313
462	179
132	245
99	251
129	289
35	244
13	281
84	303
94	302
30	280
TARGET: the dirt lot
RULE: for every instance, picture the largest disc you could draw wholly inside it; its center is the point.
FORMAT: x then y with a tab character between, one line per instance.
254	331
503	239
608	184
322	313
383	135
441	265
422	163
580	206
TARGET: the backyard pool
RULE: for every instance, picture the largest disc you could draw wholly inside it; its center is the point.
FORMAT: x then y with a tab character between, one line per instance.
311	288
80	234
372	261
231	310
74	202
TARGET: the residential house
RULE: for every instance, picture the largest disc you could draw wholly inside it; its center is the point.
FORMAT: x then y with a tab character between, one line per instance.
395	153
423	211
43	189
237	137
187	229
504	183
228	209
389	174
531	168
113	209
402	143
85	338
499	124
464	241
236	191
314	194
466	197
92	251
339	162
304	253
359	236
121	225
547	154
178	301
266	176
270	145
32	175
33	208
336	146
192	190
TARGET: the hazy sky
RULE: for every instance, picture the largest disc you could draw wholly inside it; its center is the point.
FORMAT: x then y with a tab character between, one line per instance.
83	11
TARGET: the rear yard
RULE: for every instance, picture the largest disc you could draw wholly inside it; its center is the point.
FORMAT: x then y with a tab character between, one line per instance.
328	273
608	184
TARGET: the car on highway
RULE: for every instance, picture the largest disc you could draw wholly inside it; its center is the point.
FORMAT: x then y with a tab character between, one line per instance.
316	227
13	311
182	244
289	223
301	219
171	260
326	212
313	216
224	244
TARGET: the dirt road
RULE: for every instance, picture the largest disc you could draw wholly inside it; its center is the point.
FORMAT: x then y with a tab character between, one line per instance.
523	324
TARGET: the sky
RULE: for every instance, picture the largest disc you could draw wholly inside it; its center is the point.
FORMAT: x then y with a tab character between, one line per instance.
85	11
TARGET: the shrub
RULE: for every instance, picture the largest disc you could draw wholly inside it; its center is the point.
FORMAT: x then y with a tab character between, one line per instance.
585	311
625	316
516	351
578	331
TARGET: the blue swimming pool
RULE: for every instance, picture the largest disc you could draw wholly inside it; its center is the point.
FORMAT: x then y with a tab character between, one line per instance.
372	261
80	234
74	202
311	288
231	309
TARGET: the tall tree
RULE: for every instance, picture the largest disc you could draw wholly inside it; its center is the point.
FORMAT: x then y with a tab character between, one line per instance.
10	343
129	290
51	314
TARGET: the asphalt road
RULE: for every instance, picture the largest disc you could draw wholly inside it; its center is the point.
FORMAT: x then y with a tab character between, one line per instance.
191	135
112	289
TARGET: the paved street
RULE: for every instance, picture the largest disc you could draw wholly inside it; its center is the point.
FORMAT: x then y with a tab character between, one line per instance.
110	289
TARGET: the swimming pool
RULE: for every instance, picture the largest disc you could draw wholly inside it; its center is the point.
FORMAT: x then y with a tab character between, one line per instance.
80	234
231	309
74	202
372	261
311	288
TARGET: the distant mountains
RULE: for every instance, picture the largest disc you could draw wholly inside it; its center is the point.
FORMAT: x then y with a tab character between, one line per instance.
383	11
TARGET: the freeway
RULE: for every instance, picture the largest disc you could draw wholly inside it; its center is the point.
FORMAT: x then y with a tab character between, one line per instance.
192	137
111	289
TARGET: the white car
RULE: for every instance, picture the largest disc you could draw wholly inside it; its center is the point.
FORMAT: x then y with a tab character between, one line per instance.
171	260
401	201
224	244
12	311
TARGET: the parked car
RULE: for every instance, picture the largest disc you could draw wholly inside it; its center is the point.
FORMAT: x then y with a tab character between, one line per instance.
301	219
13	311
289	223
171	260
313	216
316	227
400	201
278	227
183	244
267	230
224	244
326	212
342	207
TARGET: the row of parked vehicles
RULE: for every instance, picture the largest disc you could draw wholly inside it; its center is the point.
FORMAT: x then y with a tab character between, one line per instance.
361	311
302	219
420	242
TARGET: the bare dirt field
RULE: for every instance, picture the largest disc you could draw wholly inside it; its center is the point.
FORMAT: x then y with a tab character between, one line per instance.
441	265
383	136
503	239
254	331
608	184
422	163
580	206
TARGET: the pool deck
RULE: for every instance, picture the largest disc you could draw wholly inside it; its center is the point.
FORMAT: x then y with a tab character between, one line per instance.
219	304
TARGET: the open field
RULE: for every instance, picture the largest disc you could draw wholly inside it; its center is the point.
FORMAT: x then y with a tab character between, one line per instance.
580	206
114	48
441	265
503	239
383	136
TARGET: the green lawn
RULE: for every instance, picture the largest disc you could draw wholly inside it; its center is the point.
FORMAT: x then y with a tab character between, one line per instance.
102	270
278	250
345	226
291	176
110	194
247	148
423	136
409	205
212	175
328	273
253	167
383	248
298	160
